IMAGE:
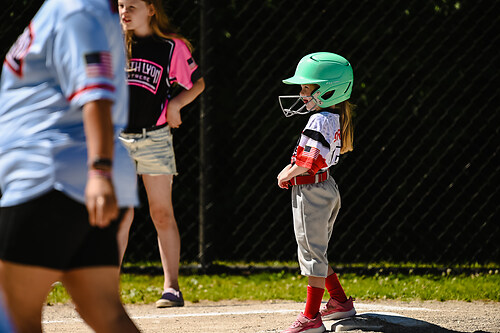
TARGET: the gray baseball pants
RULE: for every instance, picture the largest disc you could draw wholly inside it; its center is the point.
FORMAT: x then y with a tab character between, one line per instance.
315	208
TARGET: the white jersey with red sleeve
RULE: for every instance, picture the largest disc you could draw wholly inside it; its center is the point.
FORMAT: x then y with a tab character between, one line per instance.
319	145
71	53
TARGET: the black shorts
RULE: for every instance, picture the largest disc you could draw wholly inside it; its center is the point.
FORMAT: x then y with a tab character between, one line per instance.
53	231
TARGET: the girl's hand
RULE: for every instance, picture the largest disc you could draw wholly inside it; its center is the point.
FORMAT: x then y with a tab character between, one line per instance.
185	97
282	177
283	183
100	200
173	115
288	173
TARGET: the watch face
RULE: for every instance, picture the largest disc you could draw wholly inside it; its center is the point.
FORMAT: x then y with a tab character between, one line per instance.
100	163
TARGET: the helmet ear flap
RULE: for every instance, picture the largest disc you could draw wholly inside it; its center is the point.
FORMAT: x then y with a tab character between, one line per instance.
326	96
321	97
316	94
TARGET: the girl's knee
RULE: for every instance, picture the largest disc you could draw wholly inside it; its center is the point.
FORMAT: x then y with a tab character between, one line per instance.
162	218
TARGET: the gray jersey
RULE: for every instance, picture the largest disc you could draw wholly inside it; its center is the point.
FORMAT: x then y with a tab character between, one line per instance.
71	53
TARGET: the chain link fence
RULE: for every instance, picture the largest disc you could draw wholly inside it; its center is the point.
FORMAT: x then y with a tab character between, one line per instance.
422	182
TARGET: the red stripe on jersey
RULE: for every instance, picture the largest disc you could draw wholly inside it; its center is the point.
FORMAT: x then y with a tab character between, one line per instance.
310	159
15	57
95	86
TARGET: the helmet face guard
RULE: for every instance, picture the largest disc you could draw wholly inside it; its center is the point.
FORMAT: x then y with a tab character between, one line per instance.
331	72
295	104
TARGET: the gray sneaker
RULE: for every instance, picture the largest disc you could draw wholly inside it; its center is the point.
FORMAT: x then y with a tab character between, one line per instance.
170	298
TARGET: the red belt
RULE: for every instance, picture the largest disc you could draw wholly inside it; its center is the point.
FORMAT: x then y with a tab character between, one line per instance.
317	178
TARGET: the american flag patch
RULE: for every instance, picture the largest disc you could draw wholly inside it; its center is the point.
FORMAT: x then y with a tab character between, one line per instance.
310	152
191	63
99	64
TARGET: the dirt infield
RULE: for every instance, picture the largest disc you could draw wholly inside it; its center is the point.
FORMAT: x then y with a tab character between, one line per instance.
274	316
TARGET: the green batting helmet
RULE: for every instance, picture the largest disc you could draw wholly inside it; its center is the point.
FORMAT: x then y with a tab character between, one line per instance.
332	72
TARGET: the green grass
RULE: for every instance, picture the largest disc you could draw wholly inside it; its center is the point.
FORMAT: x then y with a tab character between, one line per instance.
426	287
144	289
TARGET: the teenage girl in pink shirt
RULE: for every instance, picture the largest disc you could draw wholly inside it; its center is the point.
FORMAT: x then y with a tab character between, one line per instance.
159	60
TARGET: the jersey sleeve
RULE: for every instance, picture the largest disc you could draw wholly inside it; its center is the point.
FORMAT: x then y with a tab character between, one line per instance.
183	69
82	60
313	147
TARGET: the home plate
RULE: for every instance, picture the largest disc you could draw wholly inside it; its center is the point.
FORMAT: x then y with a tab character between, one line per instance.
371	321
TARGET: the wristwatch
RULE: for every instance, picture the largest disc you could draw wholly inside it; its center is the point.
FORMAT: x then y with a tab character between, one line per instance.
101	163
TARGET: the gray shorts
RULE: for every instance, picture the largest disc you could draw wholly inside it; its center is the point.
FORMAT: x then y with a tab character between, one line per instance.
315	208
152	151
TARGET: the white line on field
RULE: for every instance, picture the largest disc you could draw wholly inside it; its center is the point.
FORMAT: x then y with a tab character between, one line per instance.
359	306
209	314
362	306
67	320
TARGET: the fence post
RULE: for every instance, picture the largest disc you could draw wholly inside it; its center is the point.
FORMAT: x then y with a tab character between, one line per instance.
202	144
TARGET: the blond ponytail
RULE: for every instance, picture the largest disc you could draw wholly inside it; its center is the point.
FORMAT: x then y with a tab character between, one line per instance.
346	127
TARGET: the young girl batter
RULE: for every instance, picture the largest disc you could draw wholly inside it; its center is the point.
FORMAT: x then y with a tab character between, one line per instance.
326	84
159	59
